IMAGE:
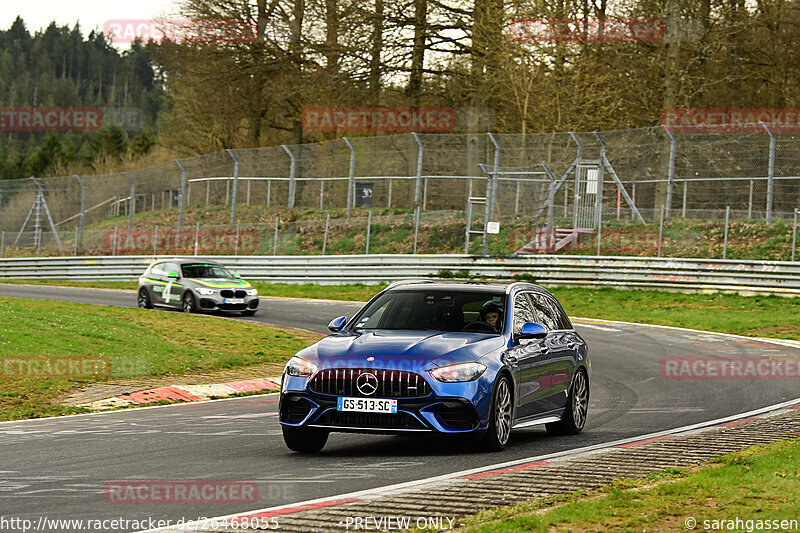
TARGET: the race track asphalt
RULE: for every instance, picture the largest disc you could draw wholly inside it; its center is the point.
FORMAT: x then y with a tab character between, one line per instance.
58	467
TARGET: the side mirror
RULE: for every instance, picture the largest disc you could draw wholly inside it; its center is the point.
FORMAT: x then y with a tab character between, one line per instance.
337	323
532	330
236	275
173	275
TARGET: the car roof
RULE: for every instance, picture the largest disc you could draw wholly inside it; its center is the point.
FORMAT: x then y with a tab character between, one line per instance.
472	286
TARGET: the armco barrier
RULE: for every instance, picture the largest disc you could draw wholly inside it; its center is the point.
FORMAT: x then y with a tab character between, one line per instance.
777	277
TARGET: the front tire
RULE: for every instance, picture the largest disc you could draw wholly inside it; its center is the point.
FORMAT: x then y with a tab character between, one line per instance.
303	440
143	301
189	305
249	312
577	407
499	430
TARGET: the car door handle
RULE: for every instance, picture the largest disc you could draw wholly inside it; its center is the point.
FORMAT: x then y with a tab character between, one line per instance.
571	345
511	359
544	349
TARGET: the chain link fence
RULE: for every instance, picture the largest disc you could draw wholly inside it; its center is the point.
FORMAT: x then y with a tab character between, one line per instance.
552	180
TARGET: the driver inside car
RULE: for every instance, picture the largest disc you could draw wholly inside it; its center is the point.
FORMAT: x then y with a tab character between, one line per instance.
492	313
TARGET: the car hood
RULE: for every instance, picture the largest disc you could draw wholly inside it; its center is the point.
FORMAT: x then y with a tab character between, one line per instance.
401	349
221	283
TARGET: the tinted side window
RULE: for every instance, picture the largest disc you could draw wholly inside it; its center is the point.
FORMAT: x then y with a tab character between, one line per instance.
523	312
561	317
545	312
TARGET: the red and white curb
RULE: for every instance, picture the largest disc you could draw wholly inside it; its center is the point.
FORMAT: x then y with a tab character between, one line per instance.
186	393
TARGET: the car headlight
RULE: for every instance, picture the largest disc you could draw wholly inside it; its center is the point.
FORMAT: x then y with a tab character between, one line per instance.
252	292
300	367
205	292
458	373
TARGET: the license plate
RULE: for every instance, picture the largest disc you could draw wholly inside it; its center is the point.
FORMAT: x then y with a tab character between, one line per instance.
366	405
233	300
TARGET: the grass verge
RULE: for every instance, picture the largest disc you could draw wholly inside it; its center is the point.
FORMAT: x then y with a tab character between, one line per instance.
134	343
759	483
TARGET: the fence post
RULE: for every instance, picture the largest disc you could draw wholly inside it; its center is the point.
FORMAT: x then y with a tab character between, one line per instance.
292	174
208	190
114	242
325	237
182	197
599	235
275	238
236	244
661	230
196	237
794	234
771	175
2	243
600	176
321	193
671	171
685	191
155	240
369	227
727	219
418	188
131	206
248	192
75	247
81	220
495	169
269	191
351	183
235	183
750	202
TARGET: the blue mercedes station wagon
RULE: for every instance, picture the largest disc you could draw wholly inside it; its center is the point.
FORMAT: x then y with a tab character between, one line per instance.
471	359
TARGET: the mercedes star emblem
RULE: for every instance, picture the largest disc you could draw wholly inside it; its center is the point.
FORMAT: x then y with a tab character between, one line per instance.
367	383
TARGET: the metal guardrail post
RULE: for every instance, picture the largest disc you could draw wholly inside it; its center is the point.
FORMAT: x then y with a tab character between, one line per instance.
2	243
81	220
771	175
131	206
292	175
727	220
182	198
351	183
671	170
235	183
418	188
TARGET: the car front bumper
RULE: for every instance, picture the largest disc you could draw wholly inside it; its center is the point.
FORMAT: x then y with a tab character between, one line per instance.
449	408
216	302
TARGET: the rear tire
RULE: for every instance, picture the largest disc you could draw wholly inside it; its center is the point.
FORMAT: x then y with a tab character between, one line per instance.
143	301
303	440
574	417
189	305
499	430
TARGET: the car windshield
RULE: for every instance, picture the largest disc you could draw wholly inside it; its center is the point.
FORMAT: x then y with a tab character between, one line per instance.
432	309
205	270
